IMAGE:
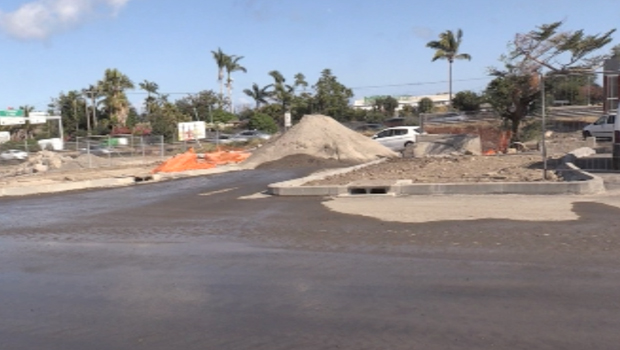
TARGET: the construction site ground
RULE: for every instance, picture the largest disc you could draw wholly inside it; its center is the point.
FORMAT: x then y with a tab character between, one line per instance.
320	142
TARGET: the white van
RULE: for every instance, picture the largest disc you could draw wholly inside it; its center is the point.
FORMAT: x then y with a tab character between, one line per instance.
398	138
602	128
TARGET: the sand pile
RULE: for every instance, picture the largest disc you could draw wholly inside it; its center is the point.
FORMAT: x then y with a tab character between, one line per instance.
320	137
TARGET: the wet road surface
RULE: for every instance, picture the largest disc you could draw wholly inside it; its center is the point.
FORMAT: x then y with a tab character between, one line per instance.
189	265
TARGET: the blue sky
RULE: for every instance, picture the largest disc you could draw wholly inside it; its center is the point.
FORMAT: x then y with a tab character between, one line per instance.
376	47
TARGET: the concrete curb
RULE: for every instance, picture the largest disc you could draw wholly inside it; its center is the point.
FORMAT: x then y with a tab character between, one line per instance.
66	186
579	182
56	187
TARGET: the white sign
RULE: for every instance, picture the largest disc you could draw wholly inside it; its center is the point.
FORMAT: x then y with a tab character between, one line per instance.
5	136
12	120
35	119
192	131
287	120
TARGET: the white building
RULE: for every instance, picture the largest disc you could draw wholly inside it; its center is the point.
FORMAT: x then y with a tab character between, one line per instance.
368	102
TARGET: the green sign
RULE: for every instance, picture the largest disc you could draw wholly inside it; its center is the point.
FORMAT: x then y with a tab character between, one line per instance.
12	113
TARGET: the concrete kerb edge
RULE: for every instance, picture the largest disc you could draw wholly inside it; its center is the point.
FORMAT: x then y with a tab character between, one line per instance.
109	182
294	187
580	182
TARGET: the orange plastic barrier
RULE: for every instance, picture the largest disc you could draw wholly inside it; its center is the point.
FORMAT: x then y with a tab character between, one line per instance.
190	161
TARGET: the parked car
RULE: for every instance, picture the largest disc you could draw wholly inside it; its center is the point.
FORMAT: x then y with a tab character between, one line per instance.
602	128
220	138
247	135
97	150
13	154
398	138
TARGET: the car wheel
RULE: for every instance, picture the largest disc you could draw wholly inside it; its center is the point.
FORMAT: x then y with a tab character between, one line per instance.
586	134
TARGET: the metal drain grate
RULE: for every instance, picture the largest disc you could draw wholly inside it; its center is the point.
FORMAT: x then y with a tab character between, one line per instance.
368	190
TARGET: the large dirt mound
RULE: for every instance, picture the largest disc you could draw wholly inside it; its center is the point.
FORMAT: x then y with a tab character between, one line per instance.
320	137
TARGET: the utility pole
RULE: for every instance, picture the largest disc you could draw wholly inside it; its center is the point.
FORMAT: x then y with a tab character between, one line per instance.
92	96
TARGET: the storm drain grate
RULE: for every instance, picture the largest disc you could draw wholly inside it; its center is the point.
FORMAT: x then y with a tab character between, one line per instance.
368	190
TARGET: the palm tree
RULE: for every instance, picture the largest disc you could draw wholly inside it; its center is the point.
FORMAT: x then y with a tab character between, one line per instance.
150	88
93	92
113	87
27	129
259	95
221	59
232	65
282	93
447	47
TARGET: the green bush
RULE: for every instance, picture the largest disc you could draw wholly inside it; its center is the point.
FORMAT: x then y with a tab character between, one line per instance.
262	122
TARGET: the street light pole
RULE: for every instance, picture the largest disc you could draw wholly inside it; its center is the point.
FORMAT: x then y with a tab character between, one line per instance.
544	124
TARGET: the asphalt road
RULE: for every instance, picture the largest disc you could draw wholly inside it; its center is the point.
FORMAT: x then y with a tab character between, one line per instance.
209	263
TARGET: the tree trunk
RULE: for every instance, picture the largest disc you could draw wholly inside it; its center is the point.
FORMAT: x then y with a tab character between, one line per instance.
450	84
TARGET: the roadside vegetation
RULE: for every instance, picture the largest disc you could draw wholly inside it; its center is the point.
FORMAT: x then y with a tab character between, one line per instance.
564	61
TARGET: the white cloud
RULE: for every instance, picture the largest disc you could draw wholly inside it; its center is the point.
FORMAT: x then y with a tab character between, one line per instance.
38	20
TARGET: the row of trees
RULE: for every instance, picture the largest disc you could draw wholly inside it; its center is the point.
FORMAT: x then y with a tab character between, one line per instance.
566	60
103	107
534	63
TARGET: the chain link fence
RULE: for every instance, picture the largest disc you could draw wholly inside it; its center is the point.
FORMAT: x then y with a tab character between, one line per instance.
27	157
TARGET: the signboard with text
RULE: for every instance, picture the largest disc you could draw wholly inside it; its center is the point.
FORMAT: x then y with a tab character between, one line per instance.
192	131
12	120
11	113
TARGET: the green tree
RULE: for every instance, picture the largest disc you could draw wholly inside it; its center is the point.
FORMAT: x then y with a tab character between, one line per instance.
447	48
517	87
467	100
151	91
113	86
72	108
331	97
164	118
232	65
282	93
388	105
221	59
300	81
199	106
425	105
258	94
92	93
263	122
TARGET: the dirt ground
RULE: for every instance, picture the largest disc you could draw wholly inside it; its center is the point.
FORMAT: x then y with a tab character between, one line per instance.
496	168
520	167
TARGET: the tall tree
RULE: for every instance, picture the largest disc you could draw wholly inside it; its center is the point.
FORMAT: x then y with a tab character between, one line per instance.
113	86
221	59
258	94
517	87
200	105
151	89
447	48
282	93
27	129
332	97
93	93
232	65
300	81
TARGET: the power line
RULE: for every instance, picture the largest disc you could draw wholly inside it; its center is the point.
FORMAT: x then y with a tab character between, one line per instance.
418	83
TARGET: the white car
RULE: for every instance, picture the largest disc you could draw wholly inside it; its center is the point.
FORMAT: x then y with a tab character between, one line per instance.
13	154
247	135
602	128
398	137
